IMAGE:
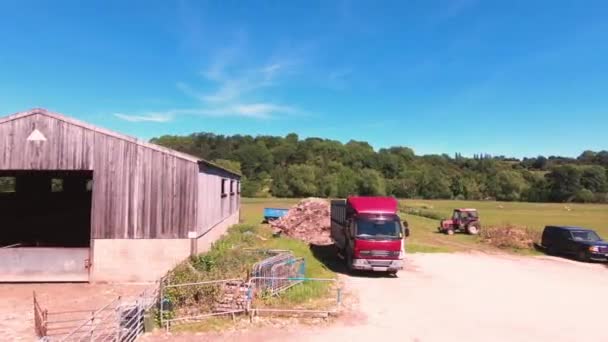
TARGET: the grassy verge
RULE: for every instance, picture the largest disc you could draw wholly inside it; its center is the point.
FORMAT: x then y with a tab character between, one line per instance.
426	239
232	257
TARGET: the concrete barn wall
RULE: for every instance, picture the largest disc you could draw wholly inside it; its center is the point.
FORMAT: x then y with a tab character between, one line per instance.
140	190
43	264
144	260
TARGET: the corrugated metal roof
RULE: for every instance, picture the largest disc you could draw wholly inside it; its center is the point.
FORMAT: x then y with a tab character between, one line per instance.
72	121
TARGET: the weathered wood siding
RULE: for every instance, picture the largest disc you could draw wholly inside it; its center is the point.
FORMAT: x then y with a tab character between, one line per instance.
213	206
139	190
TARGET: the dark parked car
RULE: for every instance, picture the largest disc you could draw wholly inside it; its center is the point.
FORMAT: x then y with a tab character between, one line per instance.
582	243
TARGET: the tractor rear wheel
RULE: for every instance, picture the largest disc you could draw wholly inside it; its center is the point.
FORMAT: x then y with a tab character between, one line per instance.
473	229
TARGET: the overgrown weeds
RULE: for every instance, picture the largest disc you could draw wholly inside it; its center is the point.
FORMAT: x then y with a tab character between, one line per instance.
510	237
232	257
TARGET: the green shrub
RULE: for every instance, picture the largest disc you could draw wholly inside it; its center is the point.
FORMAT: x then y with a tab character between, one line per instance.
584	196
422	212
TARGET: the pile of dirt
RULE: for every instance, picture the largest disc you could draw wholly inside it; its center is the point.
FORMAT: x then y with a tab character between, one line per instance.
308	221
510	237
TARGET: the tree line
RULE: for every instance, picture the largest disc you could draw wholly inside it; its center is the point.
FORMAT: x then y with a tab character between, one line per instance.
293	167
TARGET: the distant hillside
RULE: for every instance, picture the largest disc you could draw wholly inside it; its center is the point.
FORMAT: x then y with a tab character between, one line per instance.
291	167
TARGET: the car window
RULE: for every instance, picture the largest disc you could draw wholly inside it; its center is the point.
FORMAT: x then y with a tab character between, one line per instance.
565	234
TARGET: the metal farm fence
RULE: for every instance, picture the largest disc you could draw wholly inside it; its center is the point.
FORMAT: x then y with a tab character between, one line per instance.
40	318
276	285
278	273
102	325
297	300
117	321
191	302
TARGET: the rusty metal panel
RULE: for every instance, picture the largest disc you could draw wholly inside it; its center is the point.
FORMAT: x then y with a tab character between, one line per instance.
41	264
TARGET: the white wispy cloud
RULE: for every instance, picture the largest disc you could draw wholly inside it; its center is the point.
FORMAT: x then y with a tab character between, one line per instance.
250	110
149	117
232	86
231	89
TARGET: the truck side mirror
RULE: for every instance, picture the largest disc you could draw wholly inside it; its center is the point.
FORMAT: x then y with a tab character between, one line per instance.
406	231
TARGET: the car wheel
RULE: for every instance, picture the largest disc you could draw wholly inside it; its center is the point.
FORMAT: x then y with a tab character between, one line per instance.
582	256
450	231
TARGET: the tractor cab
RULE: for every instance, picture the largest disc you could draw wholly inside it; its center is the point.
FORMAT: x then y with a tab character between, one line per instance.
463	220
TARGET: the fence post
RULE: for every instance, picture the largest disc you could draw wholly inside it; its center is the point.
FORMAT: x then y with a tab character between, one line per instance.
119	316
92	325
45	315
140	316
161	300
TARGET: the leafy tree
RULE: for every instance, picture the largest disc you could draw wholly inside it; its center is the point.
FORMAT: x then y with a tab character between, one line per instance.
250	187
371	183
254	159
293	167
302	180
348	182
511	185
594	179
564	182
231	165
538	190
434	185
280	187
584	196
587	157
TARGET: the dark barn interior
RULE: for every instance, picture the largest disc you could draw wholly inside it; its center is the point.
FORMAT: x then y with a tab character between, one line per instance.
45	208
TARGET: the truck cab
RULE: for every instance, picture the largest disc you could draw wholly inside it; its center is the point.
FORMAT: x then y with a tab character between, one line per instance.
368	233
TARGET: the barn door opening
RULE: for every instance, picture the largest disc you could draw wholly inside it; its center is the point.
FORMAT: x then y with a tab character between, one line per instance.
45	233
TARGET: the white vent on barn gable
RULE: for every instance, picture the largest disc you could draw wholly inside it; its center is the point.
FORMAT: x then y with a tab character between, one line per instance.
36	135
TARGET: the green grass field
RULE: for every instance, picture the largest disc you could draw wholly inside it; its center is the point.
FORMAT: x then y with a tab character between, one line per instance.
533	215
424	236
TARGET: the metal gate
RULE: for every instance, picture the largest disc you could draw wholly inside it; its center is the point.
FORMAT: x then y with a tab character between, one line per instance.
42	264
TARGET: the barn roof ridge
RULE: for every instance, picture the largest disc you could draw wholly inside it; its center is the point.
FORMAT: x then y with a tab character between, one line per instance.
76	122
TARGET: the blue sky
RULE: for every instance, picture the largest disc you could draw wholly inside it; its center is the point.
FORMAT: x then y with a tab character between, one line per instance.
518	78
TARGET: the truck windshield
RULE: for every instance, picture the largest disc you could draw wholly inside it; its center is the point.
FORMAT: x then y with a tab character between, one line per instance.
374	229
582	235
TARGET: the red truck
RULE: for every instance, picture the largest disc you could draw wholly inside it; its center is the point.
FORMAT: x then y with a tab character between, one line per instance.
368	233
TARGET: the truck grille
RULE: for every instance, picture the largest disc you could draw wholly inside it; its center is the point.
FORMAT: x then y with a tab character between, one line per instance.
381	253
603	249
380	263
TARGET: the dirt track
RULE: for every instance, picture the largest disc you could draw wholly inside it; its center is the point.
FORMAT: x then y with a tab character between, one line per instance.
465	297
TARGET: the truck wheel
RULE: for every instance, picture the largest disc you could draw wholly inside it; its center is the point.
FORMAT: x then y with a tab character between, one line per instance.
473	229
449	231
348	259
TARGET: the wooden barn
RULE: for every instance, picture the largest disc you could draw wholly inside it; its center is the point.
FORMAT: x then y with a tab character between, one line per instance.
81	203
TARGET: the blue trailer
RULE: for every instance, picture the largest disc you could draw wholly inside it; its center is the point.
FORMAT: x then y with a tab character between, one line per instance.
271	214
